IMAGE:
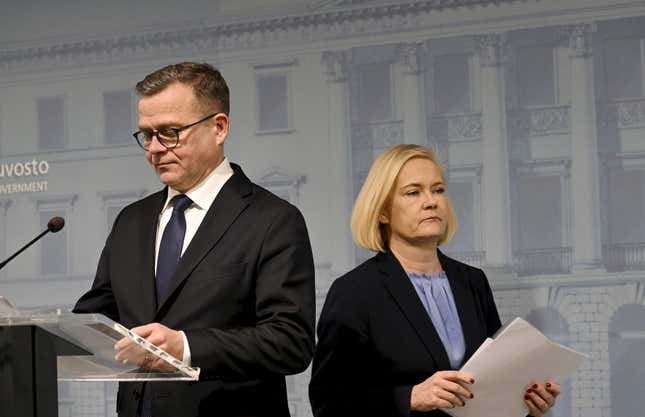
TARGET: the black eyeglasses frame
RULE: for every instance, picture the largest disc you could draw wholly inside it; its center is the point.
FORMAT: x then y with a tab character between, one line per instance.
140	138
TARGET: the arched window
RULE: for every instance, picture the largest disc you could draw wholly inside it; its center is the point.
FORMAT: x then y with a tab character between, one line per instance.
626	347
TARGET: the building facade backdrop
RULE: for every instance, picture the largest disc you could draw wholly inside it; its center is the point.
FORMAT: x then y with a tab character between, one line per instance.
536	107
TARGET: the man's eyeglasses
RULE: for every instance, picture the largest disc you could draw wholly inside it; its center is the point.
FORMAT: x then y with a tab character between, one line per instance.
167	136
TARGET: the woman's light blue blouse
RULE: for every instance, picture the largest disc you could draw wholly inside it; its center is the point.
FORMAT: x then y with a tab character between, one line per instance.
436	296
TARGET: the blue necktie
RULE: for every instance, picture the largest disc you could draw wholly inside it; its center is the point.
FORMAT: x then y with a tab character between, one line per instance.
170	247
171	244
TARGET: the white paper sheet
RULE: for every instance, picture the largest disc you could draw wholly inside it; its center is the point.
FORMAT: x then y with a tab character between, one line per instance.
503	367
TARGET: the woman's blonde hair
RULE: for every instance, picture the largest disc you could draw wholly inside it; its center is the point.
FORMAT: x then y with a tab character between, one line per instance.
373	198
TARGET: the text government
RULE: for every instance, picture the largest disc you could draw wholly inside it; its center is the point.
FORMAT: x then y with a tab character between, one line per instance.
24	169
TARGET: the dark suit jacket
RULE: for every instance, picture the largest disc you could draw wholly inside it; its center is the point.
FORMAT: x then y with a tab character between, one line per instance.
376	340
243	293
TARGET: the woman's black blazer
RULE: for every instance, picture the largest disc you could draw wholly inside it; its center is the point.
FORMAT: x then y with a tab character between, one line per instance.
376	340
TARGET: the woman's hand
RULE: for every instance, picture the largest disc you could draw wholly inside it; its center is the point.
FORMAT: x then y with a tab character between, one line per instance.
540	398
443	389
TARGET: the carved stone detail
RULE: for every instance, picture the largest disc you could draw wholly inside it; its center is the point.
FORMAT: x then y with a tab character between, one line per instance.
468	126
550	121
579	38
540	121
491	48
411	57
337	65
379	135
631	113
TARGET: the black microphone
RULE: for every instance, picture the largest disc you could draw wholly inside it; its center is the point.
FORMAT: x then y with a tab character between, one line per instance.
53	225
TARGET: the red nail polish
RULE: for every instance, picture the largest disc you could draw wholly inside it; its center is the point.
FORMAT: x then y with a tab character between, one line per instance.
526	397
472	381
548	385
534	386
472	395
528	391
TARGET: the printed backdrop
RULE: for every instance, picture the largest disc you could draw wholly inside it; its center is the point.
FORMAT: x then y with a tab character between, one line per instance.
536	107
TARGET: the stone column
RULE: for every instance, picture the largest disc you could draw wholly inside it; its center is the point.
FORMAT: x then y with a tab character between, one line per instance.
413	103
584	151
494	150
336	65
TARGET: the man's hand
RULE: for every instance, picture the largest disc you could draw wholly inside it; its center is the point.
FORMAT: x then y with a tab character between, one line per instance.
159	335
444	389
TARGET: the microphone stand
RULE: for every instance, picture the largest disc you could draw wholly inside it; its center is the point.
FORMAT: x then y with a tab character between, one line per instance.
6	261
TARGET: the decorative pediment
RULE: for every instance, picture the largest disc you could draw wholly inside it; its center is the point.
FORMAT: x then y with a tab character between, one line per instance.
277	176
282	183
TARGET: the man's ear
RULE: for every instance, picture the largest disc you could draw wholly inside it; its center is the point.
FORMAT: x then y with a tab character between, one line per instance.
221	125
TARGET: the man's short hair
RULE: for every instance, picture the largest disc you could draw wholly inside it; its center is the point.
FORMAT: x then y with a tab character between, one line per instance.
376	193
208	84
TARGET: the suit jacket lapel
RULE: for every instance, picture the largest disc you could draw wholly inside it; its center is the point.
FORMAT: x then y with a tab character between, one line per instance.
226	207
464	302
404	294
147	233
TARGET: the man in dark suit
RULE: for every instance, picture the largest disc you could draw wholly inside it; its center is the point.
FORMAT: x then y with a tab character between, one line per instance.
213	269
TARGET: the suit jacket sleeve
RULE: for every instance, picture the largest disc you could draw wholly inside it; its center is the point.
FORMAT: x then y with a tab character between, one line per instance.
282	340
344	381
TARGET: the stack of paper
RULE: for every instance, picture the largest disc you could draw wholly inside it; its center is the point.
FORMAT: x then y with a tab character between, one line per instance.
503	367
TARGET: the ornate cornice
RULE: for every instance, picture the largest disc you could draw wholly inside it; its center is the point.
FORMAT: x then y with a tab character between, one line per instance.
296	29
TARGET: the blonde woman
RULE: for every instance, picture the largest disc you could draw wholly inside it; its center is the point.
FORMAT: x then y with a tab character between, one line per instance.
395	330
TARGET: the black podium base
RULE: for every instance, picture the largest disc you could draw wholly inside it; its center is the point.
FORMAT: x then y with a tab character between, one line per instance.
28	385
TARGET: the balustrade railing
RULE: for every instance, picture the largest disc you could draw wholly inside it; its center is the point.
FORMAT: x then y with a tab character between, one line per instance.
556	260
624	256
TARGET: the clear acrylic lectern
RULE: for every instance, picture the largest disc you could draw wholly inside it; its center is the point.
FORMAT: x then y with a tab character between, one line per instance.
39	348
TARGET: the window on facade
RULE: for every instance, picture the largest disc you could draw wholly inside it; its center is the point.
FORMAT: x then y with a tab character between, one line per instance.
461	196
375	92
53	247
51	122
626	220
117	116
624	66
452	84
273	101
626	346
536	75
540	216
114	202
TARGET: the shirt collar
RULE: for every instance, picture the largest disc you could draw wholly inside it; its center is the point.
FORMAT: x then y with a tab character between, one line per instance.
205	192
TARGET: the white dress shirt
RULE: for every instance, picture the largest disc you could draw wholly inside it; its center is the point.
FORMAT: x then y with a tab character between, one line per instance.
202	195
